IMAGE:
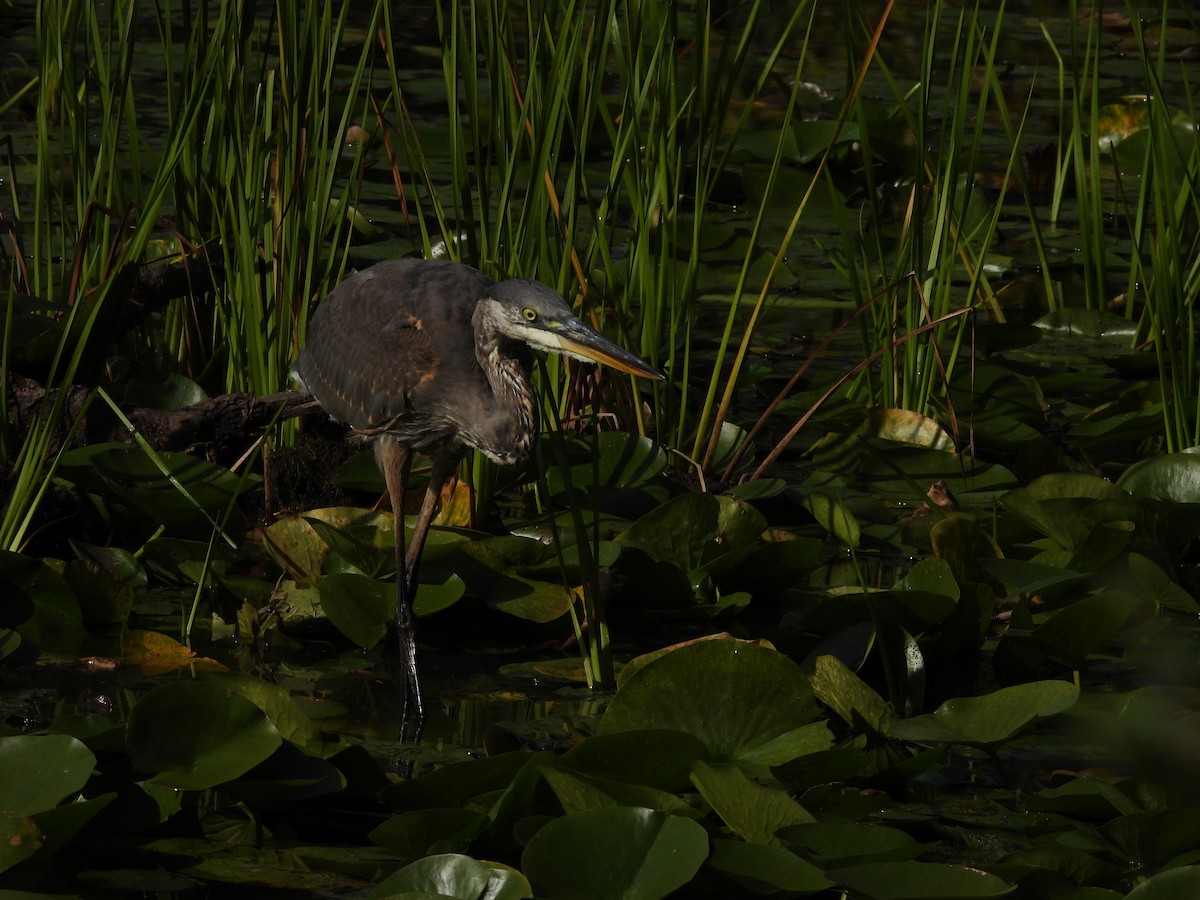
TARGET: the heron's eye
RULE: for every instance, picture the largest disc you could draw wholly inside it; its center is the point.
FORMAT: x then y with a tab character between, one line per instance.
529	314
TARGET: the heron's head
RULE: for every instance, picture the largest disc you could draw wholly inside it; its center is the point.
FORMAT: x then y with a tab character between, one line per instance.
530	312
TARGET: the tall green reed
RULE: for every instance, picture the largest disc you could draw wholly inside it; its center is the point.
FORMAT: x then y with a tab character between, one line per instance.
926	234
1163	216
586	140
257	166
86	230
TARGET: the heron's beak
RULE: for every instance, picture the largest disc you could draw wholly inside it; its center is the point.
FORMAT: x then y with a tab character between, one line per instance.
576	339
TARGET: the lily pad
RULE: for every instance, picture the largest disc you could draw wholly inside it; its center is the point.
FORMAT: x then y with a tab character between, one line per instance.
620	853
1173	476
763	865
414	834
621	461
40	771
1174	884
357	606
918	881
449	875
989	719
752	811
832	844
194	735
657	758
744	701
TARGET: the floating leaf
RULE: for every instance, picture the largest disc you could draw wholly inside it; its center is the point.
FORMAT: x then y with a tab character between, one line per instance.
152	653
357	606
844	449
657	758
621	461
753	811
196	735
191	492
456	784
620	853
1057	505
849	696
989	719
761	864
735	697
1020	576
39	604
1174	884
918	881
417	833
1098	324
577	792
449	875
960	543
830	844
40	771
20	838
906	473
493	570
834	516
1172	476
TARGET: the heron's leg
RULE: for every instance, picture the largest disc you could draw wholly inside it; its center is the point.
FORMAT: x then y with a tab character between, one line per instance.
395	459
442	469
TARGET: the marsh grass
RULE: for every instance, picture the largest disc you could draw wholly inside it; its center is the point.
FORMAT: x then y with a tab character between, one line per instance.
586	145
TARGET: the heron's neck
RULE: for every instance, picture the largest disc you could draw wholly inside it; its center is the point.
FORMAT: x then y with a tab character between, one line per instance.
512	426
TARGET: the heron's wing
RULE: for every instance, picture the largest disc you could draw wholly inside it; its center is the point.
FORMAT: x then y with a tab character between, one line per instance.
390	346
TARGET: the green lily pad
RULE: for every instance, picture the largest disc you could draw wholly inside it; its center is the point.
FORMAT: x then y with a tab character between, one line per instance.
357	537
449	875
1095	324
357	606
1172	476
763	865
917	881
1104	430
697	534
577	792
621	461
1086	625
989	719
620	853
849	696
834	516
836	844
40	771
172	391
1149	839
752	811
195	735
843	450
1174	884
456	784
1058	505
276	702
658	758
906	473
39	604
20	838
1021	576
416	833
190	492
494	568
744	701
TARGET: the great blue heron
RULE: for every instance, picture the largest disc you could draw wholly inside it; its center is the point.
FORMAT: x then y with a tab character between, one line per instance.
431	356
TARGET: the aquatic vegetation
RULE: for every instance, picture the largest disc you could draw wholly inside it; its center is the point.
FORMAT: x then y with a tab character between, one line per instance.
889	592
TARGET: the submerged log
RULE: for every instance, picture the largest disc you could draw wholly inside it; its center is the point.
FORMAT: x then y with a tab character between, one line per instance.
215	428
